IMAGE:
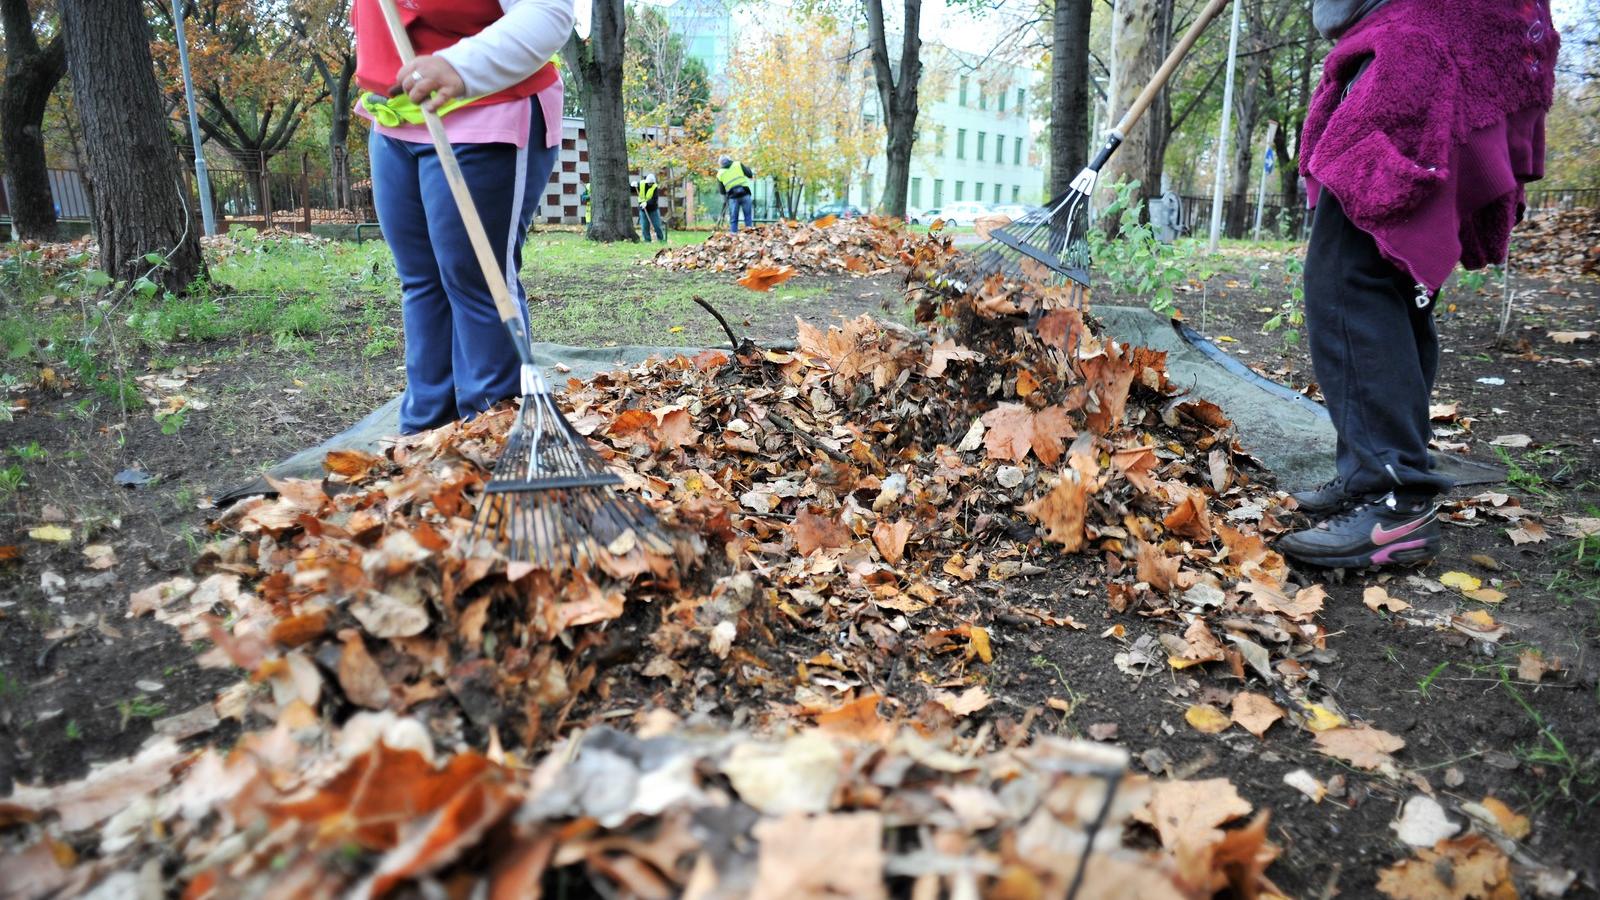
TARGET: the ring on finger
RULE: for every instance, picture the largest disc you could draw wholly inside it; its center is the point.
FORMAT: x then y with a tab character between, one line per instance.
416	76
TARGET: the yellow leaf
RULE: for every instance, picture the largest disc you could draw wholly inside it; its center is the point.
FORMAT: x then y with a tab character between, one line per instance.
1377	598
51	533
1207	718
1486	595
676	329
978	638
1225	339
1461	581
1480	619
1321	718
1513	825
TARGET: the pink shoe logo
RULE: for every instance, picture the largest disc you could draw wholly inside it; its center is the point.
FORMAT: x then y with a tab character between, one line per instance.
1381	535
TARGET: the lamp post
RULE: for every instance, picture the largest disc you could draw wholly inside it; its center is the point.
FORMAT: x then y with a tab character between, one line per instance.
202	180
1222	134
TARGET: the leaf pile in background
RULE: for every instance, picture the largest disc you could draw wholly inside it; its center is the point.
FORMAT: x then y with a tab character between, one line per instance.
1558	244
864	245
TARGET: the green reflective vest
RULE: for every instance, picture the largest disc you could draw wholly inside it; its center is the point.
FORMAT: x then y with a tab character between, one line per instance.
732	176
647	191
396	111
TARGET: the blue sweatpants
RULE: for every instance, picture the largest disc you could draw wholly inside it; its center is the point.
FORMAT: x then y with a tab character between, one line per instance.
459	358
746	205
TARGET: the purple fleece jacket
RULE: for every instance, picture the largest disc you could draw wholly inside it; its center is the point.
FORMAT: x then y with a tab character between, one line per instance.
1430	149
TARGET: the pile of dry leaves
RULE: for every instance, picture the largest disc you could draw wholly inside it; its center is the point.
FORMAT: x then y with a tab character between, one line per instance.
1558	244
834	507
770	254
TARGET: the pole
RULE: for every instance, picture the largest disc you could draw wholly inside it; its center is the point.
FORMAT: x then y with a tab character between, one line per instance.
1222	133
1266	169
202	180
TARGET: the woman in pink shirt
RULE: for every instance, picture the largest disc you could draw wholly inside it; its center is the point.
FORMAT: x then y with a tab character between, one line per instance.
484	65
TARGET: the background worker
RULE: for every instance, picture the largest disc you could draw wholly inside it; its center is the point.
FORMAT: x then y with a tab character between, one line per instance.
1427	123
485	67
733	182
650	208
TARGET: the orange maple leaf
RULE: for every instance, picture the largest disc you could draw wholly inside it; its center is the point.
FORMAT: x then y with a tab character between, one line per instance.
763	278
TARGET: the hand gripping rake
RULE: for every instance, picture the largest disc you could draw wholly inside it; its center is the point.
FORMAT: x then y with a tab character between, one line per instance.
551	499
1050	245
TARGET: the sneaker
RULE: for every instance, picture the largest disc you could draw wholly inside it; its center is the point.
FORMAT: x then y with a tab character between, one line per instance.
1378	531
1325	500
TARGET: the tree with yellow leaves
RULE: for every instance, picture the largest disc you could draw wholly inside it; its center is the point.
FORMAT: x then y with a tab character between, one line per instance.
795	111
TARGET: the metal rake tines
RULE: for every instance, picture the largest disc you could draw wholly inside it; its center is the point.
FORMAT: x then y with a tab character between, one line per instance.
1048	246
551	500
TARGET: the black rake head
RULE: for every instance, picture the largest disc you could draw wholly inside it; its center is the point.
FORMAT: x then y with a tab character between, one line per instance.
1049	246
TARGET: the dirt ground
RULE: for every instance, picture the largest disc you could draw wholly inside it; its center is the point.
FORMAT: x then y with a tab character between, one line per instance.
80	683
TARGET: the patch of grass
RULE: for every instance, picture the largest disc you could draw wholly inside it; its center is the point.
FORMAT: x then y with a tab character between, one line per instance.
74	730
1525	480
1576	773
140	707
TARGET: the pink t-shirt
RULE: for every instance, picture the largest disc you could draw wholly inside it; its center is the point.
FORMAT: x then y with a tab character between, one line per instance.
490	123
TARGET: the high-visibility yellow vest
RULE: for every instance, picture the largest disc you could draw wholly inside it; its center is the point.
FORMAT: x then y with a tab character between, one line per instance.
647	191
732	176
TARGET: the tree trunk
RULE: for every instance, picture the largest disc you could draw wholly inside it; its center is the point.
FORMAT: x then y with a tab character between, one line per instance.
31	75
138	199
606	122
1069	92
339	134
1135	55
898	98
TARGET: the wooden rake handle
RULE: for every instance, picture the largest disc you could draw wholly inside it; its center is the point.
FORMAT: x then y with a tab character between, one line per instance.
1148	95
503	303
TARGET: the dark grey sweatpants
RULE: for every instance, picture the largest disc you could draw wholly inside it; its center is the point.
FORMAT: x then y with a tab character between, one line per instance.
1375	354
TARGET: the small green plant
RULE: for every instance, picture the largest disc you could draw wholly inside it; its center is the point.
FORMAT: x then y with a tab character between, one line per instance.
1473	282
1073	697
74	730
1135	262
139	707
1291	315
11	480
31	453
1522	479
172	422
1426	684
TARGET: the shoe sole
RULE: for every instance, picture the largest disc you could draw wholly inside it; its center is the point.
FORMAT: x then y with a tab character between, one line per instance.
1397	554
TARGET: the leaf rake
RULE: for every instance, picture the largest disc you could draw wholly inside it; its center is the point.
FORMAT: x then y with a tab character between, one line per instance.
1050	245
551	500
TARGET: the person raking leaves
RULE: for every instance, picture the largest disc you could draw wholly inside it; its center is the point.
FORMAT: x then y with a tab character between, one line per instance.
1427	122
650	208
484	66
733	182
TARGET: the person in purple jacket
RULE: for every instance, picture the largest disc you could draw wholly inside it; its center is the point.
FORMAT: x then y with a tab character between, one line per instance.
1427	122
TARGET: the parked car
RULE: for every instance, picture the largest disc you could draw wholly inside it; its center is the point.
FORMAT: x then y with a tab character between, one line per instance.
842	210
1013	211
964	213
922	216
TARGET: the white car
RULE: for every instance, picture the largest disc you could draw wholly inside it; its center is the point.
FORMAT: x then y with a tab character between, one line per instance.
963	214
1013	211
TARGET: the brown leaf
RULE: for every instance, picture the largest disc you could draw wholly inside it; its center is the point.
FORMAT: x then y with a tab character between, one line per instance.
1306	604
1377	598
764	278
945	352
891	540
1189	517
1155	568
1466	868
1061	511
970	701
1010	434
674	428
857	720
813	532
359	676
1360	745
352	465
834	855
1528	532
1187	813
1255	713
103	792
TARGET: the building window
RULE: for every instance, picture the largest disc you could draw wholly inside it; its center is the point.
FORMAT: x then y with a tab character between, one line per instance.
1021	99
961	189
983	99
938	192
1016	152
997	192
963	101
916	192
977	191
961	143
1000	148
1001	95
983	141
1016	193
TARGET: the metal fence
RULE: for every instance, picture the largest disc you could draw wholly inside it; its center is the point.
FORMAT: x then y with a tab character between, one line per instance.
68	190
